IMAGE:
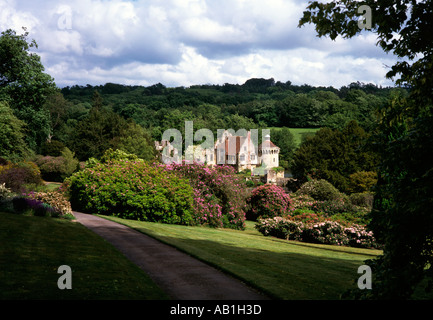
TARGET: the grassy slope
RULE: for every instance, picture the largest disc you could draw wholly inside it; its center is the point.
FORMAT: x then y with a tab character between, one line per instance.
283	269
298	133
32	249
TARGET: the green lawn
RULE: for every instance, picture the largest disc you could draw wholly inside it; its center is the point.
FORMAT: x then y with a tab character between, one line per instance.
32	248
283	269
299	133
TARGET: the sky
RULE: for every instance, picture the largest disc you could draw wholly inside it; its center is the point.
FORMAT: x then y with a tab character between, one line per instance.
190	42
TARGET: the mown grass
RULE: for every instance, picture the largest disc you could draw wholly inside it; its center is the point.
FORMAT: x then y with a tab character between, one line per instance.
300	133
282	269
33	248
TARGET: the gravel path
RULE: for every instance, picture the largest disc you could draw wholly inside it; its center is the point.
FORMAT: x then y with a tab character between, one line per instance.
180	275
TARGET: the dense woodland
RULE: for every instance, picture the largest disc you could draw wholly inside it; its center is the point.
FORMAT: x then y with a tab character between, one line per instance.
258	103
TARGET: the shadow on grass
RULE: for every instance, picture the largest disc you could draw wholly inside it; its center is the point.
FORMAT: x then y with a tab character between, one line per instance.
280	275
33	248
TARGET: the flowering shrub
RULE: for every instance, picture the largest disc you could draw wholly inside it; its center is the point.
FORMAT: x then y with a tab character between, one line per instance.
52	204
6	197
280	227
55	202
5	193
357	236
325	232
133	190
268	201
307	217
219	194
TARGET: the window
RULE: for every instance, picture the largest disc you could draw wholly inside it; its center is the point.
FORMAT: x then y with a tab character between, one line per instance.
242	157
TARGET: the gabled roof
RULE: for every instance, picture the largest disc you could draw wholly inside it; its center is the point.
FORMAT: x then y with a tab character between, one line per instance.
267	145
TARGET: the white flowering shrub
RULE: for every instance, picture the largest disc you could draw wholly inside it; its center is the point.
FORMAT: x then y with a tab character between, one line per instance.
325	232
5	193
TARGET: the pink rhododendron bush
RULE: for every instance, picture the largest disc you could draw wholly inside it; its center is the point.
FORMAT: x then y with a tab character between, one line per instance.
219	194
268	201
191	194
298	216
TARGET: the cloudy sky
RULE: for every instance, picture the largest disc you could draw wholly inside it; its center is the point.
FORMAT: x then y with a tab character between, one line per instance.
187	42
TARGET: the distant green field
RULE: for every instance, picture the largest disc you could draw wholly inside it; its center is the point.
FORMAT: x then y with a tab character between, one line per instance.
299	133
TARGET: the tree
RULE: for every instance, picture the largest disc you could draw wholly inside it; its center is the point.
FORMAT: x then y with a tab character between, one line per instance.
401	217
25	86
96	133
284	139
334	155
136	140
12	144
57	107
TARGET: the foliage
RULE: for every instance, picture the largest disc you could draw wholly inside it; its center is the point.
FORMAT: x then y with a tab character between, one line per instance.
280	227
362	181
6	196
285	140
24	83
345	210
52	148
268	201
133	190
327	232
58	168
55	202
17	175
116	155
4	192
401	216
324	232
320	190
12	142
364	199
219	194
334	155
102	129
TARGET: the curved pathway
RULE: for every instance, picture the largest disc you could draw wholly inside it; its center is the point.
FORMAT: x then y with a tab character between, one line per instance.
180	275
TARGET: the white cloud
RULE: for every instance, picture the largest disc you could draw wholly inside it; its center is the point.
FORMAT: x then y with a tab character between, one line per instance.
185	42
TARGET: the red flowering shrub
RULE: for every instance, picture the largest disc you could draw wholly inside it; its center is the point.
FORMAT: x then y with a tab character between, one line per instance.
268	201
219	194
307	217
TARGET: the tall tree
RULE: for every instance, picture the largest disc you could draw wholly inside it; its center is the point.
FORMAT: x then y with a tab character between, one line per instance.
334	155
401	216
24	85
285	140
12	144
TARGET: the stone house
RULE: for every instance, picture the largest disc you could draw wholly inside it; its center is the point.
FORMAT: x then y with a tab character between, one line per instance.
238	151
